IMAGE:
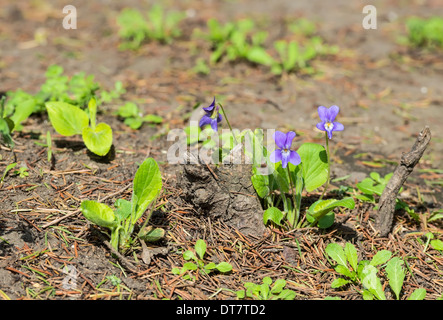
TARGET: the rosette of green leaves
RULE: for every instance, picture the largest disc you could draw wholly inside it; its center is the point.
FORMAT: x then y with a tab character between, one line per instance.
147	186
69	120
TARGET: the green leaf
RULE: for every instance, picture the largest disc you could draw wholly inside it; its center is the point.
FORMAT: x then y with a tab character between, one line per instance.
189	266
372	283
344	271
322	207
147	186
335	251
418	294
151	234
188	255
351	255
339	282
224	267
200	248
314	165
98	213
98	140
22	112
326	221
380	257
66	118
437	244
286	295
261	184
6	127
278	286
274	214
396	275
260	56
123	209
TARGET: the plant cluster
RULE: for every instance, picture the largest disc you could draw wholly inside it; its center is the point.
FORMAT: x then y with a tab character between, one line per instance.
122	220
292	172
266	290
426	33
69	120
196	262
77	91
134	118
240	41
365	272
159	26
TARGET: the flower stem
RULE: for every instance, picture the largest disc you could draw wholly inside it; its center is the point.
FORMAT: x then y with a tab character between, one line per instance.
296	216
227	121
329	165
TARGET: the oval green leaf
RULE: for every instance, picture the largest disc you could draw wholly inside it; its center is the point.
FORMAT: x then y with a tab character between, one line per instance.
98	213
147	186
66	118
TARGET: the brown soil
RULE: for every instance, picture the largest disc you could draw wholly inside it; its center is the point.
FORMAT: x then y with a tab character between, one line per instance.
387	93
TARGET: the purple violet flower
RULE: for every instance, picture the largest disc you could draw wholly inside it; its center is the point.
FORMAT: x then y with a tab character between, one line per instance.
284	154
212	116
327	117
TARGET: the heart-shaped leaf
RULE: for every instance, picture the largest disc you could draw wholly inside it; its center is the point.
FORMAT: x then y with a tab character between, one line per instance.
314	165
98	140
274	214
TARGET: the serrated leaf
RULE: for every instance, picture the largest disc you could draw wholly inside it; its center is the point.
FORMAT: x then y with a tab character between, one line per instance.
344	271
335	251
339	282
224	267
200	248
372	283
380	257
278	286
351	255
396	275
418	294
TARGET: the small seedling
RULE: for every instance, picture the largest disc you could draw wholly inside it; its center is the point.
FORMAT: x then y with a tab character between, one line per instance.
22	172
70	120
134	118
121	221
198	263
6	124
365	272
426	33
8	168
266	291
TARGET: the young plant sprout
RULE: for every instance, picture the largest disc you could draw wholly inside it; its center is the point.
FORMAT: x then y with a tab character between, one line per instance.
329	125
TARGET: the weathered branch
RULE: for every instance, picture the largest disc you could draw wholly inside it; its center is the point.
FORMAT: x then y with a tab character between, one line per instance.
407	163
